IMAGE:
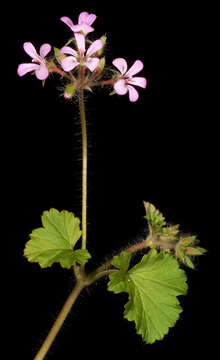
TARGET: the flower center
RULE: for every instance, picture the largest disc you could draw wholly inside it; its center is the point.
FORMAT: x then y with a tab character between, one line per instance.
37	61
128	79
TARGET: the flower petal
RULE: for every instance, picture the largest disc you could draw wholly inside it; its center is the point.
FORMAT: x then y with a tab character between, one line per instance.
82	17
69	63
120	87
67	96
31	51
121	65
133	94
45	49
68	50
86	18
42	72
136	67
139	81
67	21
90	19
92	63
94	47
77	28
25	68
85	28
80	40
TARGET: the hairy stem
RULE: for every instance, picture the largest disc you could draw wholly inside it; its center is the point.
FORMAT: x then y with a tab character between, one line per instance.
60	320
104	270
83	280
84	167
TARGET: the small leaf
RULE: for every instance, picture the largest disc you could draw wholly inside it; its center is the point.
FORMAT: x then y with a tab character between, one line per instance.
195	250
155	219
161	234
54	242
180	254
185	248
153	286
189	240
169	233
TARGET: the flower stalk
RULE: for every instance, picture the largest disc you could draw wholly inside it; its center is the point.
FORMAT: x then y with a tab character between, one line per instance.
84	167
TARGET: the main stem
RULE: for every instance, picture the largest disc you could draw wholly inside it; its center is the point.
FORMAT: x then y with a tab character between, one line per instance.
60	320
84	167
80	284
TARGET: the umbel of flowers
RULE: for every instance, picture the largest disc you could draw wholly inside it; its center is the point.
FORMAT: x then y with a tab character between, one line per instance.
81	63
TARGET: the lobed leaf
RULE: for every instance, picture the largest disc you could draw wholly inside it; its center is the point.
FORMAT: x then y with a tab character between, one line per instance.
54	242
153	286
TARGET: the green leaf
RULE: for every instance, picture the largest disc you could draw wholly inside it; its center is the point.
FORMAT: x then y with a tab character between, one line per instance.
155	219
160	234
153	286
54	242
197	250
188	240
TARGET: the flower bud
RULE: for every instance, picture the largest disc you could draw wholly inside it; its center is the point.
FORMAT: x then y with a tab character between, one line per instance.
69	91
59	57
103	40
98	70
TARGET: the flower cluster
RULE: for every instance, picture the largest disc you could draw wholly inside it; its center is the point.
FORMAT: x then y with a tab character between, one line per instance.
82	65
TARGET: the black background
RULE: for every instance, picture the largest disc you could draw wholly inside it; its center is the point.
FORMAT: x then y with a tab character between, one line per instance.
160	149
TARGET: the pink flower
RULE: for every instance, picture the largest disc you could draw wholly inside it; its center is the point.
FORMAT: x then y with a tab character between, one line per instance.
123	85
85	20
80	58
38	62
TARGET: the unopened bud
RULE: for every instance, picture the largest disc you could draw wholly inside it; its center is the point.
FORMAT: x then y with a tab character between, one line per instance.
99	69
103	40
69	91
59	57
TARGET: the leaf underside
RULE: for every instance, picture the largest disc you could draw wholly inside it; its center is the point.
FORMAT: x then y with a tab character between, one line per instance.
153	286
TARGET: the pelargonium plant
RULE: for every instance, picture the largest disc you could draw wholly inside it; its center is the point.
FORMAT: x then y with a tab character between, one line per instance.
152	284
